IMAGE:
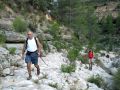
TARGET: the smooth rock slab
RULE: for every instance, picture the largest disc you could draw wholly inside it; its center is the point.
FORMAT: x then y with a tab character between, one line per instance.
14	37
24	83
46	87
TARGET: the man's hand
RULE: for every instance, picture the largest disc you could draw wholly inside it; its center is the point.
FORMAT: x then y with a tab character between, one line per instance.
40	54
22	56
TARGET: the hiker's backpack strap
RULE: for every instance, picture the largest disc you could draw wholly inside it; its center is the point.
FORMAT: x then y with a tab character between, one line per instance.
26	43
36	41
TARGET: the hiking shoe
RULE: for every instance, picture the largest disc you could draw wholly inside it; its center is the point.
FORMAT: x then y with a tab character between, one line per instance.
38	72
90	68
30	77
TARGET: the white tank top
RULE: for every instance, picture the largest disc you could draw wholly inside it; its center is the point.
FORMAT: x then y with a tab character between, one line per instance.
31	45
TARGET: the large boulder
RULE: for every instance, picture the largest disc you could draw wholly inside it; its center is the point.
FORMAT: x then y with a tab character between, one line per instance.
12	36
6	24
7	27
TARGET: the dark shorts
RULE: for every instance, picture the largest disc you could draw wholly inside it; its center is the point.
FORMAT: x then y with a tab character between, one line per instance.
32	58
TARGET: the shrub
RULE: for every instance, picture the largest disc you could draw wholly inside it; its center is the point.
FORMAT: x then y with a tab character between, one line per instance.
116	80
76	43
98	62
12	50
84	60
2	6
96	80
54	30
40	4
19	25
2	38
72	54
59	45
53	85
45	46
67	68
97	50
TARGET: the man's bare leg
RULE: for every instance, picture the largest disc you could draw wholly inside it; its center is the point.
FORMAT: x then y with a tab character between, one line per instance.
90	64
38	69
29	70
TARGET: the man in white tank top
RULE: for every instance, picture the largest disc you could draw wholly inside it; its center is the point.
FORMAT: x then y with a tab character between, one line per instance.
32	47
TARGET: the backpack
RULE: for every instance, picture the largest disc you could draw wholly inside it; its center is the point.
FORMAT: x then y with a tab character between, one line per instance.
90	54
26	42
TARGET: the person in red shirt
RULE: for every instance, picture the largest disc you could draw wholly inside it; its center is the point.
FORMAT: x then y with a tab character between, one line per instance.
90	56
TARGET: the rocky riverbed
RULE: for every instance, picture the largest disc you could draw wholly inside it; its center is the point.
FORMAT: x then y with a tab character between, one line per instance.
14	72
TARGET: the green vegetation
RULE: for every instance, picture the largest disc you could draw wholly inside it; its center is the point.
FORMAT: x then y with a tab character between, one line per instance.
116	81
75	42
53	85
110	32
96	80
23	6
84	22
12	50
2	38
19	25
59	45
41	4
98	62
89	29
68	68
72	54
79	16
84	60
1	6
54	30
45	46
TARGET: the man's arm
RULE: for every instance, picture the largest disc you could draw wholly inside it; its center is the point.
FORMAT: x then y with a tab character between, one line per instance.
39	46
23	50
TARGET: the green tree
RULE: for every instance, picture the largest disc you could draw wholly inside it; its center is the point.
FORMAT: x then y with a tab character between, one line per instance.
108	33
118	23
107	25
41	4
80	16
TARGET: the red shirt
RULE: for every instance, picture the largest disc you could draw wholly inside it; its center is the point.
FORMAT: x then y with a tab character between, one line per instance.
90	55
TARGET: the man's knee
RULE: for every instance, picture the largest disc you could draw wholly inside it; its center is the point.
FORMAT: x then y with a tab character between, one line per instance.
36	65
28	64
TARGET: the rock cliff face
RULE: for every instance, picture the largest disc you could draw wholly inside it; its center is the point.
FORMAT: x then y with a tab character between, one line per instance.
110	8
